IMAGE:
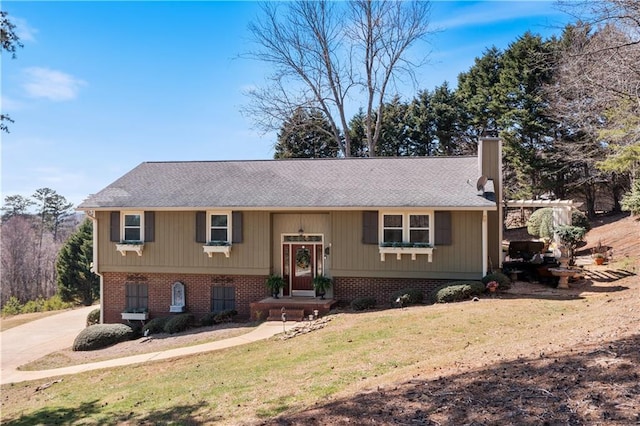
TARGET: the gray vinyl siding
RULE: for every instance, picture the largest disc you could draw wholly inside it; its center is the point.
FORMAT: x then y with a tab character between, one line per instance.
174	248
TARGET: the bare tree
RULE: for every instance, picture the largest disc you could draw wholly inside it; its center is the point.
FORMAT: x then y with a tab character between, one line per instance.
10	42
595	98
324	51
18	255
606	63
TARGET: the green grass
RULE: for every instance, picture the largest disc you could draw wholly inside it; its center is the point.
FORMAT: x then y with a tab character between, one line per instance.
257	381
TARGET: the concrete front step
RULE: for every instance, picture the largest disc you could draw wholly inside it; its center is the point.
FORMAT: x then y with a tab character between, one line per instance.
271	308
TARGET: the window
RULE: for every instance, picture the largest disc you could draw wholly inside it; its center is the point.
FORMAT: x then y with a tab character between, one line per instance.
419	228
392	228
406	228
132	226
219	227
137	296
223	299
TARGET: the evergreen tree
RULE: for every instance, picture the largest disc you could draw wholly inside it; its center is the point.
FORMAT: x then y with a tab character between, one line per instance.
75	279
477	92
526	127
420	118
53	208
394	139
307	134
357	135
15	205
447	122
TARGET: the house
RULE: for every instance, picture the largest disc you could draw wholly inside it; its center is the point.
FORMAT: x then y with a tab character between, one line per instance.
203	236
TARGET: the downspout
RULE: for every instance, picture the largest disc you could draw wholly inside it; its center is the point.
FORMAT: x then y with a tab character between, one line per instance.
94	266
485	242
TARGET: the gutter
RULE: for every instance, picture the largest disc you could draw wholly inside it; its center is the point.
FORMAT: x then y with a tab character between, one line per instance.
485	242
94	264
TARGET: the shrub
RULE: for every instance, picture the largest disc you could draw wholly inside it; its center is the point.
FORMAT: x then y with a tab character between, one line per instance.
457	291
571	236
55	303
540	223
504	282
102	335
410	296
218	317
178	323
631	200
93	317
363	303
33	306
12	306
155	326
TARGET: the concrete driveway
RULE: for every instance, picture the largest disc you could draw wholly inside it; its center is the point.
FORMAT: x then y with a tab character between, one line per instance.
33	340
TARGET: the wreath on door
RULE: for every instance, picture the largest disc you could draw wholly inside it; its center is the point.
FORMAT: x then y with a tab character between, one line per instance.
303	258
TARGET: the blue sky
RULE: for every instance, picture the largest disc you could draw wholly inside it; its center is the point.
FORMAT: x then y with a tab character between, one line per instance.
100	87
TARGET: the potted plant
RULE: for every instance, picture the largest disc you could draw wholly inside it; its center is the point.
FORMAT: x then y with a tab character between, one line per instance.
274	284
599	258
321	284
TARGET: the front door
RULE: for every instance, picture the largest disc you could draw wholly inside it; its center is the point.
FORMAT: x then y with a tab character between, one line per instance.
302	267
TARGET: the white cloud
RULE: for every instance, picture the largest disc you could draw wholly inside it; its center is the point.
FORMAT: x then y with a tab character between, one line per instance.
25	32
493	12
10	104
51	84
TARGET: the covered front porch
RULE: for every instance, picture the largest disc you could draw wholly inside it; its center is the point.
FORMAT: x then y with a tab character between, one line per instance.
296	308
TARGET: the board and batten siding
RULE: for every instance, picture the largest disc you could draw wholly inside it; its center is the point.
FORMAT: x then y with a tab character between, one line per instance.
460	260
175	249
291	223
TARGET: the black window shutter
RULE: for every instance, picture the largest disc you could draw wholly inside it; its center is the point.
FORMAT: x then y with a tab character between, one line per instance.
236	223
442	228
149	226
115	227
201	227
369	227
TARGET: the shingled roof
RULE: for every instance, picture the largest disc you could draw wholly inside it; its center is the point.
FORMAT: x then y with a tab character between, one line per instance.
382	182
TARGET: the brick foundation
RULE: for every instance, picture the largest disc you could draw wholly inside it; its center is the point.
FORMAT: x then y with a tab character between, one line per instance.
347	289
248	289
197	291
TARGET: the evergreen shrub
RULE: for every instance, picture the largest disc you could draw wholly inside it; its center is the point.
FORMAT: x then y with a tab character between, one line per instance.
504	282
93	317
100	336
214	318
12	306
363	303
410	296
458	291
155	326
178	323
540	223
